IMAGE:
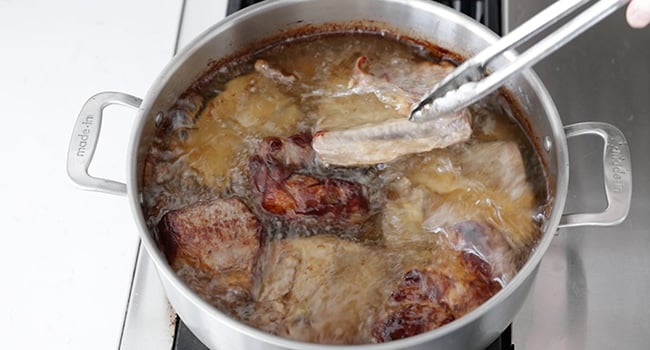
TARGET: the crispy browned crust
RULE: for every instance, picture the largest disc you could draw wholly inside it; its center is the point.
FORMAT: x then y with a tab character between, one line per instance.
218	236
281	189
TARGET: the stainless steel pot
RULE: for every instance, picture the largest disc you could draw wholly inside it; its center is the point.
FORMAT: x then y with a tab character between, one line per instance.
420	19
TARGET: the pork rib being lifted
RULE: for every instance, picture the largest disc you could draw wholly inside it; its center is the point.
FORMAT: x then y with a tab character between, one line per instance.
384	140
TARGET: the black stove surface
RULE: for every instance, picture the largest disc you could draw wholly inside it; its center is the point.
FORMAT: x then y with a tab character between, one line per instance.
485	11
184	339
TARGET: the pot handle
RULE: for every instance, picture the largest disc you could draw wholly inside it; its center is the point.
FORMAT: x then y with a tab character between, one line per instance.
617	171
84	141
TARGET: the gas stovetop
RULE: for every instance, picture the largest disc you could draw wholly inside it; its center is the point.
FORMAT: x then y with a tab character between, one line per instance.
577	299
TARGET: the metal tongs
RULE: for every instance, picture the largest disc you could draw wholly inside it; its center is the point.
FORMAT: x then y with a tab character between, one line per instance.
470	82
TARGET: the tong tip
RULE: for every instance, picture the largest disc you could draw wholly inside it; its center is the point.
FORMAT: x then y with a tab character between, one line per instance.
418	113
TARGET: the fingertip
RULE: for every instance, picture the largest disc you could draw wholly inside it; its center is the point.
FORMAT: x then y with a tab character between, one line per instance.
638	14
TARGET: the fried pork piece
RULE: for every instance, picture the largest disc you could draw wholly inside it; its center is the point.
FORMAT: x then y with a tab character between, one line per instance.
501	166
406	220
488	184
322	289
326	289
213	247
447	272
475	197
486	243
281	190
252	104
381	140
430	297
397	86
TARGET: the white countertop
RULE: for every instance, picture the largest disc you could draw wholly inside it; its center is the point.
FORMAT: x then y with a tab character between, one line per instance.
68	254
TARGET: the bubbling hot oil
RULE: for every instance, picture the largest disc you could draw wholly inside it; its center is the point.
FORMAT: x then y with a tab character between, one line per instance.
203	147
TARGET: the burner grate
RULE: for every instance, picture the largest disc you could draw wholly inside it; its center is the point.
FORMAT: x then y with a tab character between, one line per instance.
487	12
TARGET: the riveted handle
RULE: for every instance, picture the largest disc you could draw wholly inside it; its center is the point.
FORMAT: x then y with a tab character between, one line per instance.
84	141
617	169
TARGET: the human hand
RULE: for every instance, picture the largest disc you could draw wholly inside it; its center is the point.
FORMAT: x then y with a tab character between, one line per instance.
638	13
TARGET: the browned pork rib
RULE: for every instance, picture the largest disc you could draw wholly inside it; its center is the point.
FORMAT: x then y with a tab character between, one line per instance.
213	247
381	141
430	297
467	271
384	141
281	190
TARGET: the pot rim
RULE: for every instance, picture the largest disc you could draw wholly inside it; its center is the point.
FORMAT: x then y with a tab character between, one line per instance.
164	270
